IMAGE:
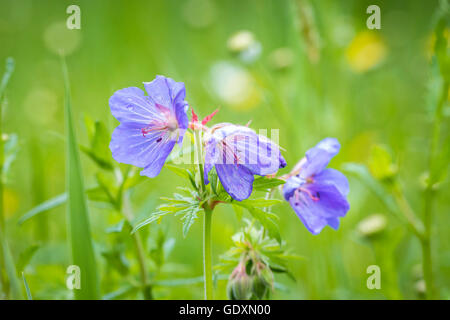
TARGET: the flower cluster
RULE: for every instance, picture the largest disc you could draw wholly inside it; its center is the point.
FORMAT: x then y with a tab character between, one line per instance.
151	125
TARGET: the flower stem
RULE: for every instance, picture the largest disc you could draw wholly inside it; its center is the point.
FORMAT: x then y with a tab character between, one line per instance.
146	286
207	217
207	255
430	192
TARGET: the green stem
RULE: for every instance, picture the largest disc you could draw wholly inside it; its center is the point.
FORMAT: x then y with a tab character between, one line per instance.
146	285
430	192
207	217
207	254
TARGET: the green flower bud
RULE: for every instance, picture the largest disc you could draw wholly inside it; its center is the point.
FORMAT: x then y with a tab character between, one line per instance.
262	282
240	284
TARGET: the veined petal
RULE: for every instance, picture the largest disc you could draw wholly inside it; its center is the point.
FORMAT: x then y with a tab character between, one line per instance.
161	152
128	145
317	158
241	146
330	145
237	180
333	177
132	107
313	222
165	92
330	201
316	204
211	156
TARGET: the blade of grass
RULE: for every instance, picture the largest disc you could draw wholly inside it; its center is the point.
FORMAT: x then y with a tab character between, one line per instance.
27	288
78	219
6	258
3	84
10	268
44	206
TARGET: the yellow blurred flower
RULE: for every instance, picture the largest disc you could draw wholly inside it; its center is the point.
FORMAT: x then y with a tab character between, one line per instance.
366	51
11	202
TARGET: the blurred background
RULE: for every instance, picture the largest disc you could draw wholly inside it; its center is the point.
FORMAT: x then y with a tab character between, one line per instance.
311	69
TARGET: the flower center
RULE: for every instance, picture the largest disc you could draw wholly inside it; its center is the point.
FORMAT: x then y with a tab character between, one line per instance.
166	125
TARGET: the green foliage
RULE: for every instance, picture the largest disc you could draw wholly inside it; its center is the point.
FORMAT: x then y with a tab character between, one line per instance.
187	206
266	219
78	217
255	256
389	104
11	149
99	138
264	183
43	207
27	288
380	165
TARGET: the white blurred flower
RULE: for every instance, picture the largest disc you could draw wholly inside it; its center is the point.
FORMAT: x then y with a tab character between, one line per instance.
234	85
372	225
244	44
58	39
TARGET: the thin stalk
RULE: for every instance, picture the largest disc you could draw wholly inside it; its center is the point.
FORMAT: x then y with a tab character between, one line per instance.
207	221
408	213
207	254
429	193
6	259
146	285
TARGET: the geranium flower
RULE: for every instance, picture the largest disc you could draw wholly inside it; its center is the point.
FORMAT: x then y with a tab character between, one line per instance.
318	195
238	153
149	125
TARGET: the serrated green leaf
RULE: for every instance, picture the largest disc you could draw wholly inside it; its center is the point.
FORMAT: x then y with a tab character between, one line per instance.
153	217
188	219
264	183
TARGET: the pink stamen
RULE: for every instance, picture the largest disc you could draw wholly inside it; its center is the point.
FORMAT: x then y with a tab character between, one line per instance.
209	117
300	189
227	148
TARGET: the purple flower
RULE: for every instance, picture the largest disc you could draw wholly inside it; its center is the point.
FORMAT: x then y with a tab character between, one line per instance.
318	195
149	125
238	153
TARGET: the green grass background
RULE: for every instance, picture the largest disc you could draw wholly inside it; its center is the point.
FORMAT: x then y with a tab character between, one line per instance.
124	43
